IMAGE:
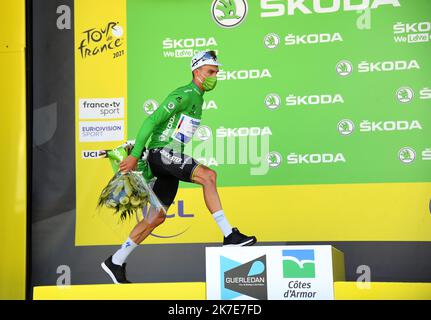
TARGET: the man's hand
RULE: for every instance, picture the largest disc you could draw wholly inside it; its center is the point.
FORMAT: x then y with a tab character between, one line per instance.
128	164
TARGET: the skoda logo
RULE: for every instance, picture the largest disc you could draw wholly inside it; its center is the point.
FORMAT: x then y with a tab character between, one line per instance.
229	13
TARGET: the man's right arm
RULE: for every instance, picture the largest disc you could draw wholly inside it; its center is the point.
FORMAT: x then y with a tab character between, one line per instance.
171	105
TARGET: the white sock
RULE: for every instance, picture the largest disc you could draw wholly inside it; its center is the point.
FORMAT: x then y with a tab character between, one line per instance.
222	222
121	255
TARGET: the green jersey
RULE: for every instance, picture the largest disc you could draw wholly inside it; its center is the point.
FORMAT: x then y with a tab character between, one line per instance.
174	122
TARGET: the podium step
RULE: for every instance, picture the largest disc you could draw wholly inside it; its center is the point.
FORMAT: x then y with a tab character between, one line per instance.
382	291
196	291
132	291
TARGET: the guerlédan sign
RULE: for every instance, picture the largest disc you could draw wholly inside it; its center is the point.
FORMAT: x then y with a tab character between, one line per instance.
273	272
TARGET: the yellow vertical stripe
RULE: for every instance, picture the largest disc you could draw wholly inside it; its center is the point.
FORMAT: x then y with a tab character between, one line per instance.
13	194
100	73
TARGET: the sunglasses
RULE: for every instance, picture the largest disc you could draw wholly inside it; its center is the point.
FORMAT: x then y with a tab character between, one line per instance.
209	55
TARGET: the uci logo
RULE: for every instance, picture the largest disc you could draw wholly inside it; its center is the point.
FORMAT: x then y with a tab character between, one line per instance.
229	13
90	154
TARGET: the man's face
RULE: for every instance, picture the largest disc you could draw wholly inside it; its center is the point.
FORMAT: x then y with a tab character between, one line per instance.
207	71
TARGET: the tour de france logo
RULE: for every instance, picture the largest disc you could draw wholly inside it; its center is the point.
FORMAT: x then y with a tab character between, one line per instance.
101	40
229	13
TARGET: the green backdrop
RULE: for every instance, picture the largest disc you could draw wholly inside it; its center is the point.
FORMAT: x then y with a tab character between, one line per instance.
302	65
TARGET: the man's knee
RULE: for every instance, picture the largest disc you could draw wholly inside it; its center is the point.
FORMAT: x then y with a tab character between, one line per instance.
158	219
211	176
207	175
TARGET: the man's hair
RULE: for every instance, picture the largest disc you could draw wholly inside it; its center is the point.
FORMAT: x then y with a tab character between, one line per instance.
213	54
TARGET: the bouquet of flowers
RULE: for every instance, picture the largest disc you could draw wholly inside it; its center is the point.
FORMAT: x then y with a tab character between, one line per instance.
127	193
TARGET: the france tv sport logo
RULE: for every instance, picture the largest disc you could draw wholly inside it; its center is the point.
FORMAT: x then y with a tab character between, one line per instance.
237	279
298	264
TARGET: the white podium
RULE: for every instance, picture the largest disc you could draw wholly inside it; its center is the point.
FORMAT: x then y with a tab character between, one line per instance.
273	272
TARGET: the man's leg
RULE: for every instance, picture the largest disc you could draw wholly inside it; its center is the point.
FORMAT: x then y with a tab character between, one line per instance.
208	179
138	234
115	266
165	189
143	229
